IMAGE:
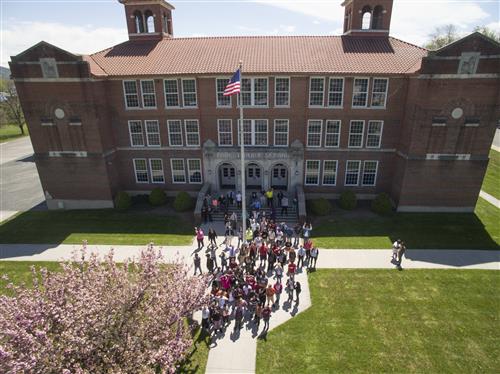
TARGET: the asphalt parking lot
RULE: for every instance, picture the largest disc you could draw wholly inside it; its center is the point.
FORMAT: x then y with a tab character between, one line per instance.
20	187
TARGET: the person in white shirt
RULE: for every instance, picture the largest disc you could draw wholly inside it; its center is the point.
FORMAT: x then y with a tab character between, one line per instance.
301	253
238	199
395	248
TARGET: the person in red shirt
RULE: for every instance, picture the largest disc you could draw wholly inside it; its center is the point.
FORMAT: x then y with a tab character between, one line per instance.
263	254
291	269
278	289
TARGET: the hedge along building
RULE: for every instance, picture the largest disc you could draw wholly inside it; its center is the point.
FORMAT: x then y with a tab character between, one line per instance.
363	111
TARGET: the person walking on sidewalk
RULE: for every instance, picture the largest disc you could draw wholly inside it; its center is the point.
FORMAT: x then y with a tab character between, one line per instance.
197	263
212	237
301	253
395	248
298	290
278	289
266	316
314	257
200	235
401	252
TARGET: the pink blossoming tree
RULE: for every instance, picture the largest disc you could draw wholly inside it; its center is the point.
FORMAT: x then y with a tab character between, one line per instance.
97	316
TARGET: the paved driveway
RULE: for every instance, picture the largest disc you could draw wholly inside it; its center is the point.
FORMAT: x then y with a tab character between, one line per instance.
20	187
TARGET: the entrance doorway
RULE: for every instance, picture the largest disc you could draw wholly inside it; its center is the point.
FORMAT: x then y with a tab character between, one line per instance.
254	176
279	177
227	176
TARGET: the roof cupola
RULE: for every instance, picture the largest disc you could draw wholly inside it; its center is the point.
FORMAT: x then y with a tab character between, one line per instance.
367	17
148	19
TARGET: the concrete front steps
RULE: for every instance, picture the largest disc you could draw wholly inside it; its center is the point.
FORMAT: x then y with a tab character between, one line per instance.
290	219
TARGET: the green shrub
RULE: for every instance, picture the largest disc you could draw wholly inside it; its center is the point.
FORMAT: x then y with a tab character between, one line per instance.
141	199
348	200
382	204
320	207
157	197
183	201
122	201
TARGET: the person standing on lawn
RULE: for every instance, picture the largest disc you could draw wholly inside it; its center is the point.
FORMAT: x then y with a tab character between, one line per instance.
197	263
200	235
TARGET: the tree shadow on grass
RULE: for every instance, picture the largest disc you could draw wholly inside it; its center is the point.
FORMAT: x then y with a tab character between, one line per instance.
190	365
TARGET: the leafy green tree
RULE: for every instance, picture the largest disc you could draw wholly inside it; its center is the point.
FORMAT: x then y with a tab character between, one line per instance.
10	105
442	36
490	33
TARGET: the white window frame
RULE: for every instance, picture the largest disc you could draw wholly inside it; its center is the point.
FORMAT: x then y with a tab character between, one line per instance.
320	133
125	94
358	173
330	92
253	92
172	170
379	137
152	133
354	93
287	132
385	93
156	171
189	171
333	133
219	132
287	92
350	133
186	133
306	170
334	173
189	93
363	174
154	94
169	122
217	92
322	93
165	94
130	133
135	170
253	132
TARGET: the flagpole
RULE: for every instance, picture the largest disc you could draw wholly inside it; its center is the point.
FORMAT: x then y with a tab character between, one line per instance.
242	156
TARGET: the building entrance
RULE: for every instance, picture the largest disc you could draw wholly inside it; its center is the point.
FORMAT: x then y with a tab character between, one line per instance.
254	176
227	176
279	177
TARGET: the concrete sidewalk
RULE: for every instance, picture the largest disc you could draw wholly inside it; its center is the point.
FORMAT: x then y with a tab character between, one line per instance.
491	199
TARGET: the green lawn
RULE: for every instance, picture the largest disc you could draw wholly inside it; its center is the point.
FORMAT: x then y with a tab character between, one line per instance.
19	271
491	182
96	226
10	132
480	230
419	321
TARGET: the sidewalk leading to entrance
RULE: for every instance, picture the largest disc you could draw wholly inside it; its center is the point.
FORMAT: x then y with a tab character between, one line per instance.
491	199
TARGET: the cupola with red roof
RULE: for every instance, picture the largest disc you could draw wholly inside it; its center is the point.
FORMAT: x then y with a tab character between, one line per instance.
367	17
148	19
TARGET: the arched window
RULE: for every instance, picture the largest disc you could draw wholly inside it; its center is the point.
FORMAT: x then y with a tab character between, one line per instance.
164	23
139	22
366	18
377	17
150	21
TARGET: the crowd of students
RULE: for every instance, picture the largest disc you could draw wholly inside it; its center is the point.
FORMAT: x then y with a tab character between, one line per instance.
249	276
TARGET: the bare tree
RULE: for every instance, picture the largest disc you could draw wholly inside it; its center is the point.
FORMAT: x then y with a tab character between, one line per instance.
11	106
442	36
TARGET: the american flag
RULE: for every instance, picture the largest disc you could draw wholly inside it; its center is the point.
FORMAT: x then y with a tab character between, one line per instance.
233	87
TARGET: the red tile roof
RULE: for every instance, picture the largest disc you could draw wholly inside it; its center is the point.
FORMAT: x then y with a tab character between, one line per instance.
260	54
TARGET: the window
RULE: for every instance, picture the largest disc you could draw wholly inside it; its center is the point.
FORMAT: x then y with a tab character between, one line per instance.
356	134
222	101
152	133
141	170
282	91
369	173
332	133
194	171
374	134
178	172
329	173
254	91
148	94
189	93
174	133
312	172
254	132
192	132
352	173
171	93
156	166
281	133
314	133
316	91
131	96
225	127
379	92
336	92
360	92
135	130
